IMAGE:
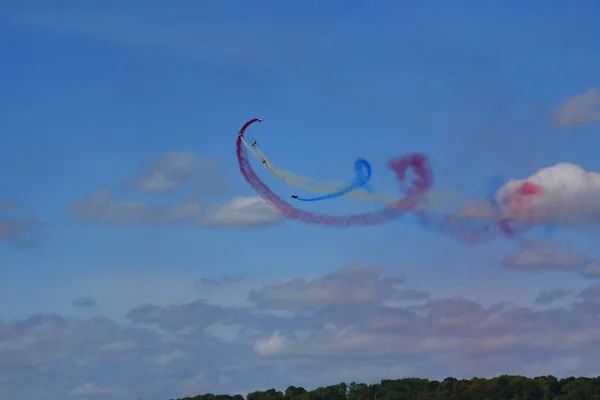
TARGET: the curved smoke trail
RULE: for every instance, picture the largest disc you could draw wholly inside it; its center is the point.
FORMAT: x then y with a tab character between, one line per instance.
334	189
294	180
461	229
329	189
363	171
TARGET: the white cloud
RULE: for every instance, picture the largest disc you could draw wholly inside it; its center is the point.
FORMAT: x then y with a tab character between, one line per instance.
242	212
580	109
272	345
167	174
562	194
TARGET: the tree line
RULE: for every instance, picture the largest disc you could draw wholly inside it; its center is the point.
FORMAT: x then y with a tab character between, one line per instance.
505	387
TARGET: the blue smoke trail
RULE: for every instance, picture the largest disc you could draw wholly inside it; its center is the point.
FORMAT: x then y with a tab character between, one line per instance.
363	175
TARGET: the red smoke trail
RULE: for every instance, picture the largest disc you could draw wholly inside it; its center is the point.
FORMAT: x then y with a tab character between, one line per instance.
414	194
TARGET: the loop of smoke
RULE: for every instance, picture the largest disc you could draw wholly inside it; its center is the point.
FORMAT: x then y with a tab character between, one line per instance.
461	229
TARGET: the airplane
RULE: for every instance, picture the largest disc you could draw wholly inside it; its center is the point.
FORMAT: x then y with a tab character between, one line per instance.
254	143
264	161
294	196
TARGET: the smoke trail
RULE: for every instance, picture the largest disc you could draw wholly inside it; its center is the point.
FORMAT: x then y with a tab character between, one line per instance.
461	229
298	181
336	188
363	172
372	218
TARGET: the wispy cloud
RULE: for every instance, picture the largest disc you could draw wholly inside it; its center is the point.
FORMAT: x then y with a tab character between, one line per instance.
580	109
222	281
539	256
241	212
13	227
200	37
173	171
170	174
84	302
101	207
91	389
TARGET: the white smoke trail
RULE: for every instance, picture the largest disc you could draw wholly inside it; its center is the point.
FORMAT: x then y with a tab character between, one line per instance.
330	187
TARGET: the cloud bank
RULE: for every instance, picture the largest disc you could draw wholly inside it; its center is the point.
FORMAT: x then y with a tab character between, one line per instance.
351	324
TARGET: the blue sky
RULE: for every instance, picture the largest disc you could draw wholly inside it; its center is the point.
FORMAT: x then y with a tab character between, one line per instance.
95	94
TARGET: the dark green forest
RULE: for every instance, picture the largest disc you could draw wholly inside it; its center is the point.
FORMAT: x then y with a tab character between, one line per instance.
505	387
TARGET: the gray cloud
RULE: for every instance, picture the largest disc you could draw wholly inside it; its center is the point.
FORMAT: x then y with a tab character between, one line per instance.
544	255
15	227
589	308
9	204
350	286
84	302
90	389
410	295
198	314
591	292
224	280
592	269
537	256
551	295
83	357
201	347
11	228
580	109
